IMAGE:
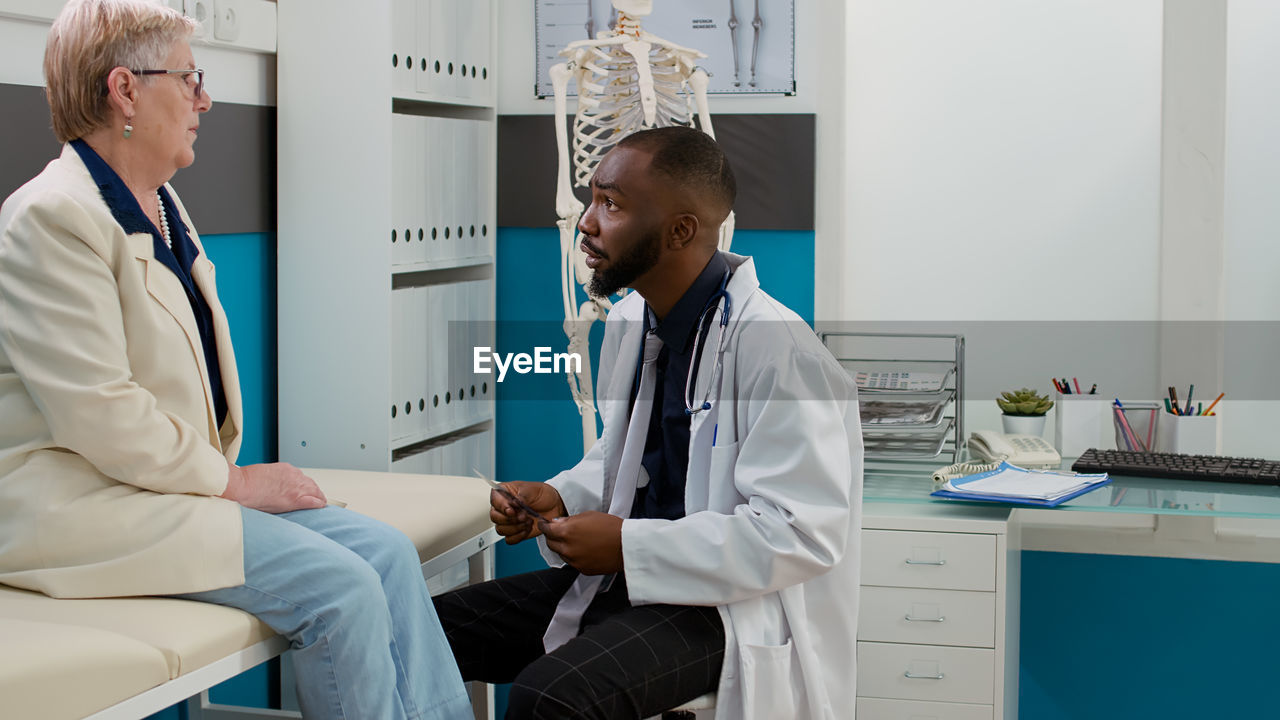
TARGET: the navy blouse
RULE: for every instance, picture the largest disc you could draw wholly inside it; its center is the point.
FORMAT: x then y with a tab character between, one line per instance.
126	211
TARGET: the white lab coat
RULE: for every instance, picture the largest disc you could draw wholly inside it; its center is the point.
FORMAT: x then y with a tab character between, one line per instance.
773	510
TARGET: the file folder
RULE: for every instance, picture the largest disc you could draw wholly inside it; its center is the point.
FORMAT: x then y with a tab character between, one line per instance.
436	340
444	43
474	171
401	133
421	29
400	306
464	20
404	21
481	50
419	359
445	138
1015	485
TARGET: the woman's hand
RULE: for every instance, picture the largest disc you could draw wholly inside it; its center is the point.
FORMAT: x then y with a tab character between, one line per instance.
273	488
515	524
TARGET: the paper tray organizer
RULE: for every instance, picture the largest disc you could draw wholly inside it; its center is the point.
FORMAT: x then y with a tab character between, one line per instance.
910	389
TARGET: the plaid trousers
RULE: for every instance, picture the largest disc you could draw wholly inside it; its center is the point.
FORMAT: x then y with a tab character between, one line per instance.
627	662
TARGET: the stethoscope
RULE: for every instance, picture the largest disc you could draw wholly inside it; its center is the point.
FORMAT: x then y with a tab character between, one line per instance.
713	304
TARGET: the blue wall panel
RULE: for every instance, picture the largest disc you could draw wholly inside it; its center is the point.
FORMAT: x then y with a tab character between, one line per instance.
1106	636
247	288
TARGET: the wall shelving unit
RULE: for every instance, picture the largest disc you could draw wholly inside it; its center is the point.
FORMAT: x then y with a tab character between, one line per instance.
386	157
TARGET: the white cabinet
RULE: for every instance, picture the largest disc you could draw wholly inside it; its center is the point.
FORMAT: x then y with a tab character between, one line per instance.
386	152
938	617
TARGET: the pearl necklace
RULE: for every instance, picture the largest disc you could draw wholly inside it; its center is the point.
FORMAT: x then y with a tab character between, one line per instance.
164	221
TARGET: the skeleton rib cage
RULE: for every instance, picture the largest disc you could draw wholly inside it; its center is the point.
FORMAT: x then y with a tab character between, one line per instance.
609	99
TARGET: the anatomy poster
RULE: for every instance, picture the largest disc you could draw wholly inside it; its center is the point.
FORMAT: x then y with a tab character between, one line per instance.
749	44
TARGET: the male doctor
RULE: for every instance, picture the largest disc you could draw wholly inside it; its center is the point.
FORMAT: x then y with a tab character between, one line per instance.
708	540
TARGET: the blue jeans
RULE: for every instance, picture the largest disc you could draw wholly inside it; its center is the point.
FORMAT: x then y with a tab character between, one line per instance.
348	593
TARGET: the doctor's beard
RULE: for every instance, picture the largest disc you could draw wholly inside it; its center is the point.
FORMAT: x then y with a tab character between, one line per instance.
636	261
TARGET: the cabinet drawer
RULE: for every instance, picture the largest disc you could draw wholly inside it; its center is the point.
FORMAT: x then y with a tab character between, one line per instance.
930	617
926	672
947	561
879	709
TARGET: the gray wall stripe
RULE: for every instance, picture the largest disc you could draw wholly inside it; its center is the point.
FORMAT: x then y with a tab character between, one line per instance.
231	188
772	156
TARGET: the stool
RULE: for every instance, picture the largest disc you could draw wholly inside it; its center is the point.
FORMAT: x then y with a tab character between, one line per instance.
685	711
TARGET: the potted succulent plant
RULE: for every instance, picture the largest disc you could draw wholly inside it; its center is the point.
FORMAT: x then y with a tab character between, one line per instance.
1024	411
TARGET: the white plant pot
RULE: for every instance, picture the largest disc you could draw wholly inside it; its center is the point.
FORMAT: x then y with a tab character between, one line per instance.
1023	424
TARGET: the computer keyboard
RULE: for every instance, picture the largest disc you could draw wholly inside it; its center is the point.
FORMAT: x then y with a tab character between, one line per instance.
1211	468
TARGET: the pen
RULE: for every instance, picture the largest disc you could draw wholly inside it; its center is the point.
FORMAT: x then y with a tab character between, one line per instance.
1168	407
1190	390
515	499
1094	390
1077	382
1215	402
1130	436
1173	396
714	431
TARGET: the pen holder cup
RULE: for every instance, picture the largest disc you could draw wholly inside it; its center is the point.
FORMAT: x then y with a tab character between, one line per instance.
1135	426
1080	423
1189	434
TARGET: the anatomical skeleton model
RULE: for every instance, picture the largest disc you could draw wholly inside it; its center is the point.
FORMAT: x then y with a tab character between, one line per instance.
756	23
627	80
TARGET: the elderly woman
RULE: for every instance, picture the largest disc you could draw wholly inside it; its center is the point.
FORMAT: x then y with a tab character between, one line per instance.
120	412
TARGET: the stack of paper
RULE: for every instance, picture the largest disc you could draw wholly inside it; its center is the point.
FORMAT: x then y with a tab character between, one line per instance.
1012	484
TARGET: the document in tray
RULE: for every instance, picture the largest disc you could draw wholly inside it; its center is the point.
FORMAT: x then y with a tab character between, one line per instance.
907	381
1010	483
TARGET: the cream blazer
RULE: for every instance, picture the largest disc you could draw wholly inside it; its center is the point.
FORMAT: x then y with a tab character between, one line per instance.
110	457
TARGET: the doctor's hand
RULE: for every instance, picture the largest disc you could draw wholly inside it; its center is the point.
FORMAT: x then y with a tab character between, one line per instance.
272	488
590	541
512	522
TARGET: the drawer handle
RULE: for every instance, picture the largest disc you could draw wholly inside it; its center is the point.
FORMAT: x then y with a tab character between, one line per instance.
922	677
909	561
916	619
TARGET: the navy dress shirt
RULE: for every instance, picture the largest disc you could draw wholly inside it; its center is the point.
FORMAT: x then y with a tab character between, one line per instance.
126	211
666	448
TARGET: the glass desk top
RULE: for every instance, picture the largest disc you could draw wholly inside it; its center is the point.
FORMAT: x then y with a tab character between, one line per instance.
1146	496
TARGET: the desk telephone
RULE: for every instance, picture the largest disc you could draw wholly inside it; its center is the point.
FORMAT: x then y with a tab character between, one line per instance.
987	449
1025	451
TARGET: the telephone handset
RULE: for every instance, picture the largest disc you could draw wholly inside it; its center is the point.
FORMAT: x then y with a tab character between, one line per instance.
1025	451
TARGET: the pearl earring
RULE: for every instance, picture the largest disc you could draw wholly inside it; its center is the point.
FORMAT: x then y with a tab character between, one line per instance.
128	128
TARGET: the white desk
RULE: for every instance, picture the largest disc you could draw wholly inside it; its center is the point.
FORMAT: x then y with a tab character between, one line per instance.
974	649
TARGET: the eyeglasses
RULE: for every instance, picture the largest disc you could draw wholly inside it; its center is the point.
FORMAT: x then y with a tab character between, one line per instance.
199	73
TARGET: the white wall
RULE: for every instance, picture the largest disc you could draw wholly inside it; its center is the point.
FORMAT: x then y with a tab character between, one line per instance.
1004	160
1252	180
1251	184
243	71
1064	160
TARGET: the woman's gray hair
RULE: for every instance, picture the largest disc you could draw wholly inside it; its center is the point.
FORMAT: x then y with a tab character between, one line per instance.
88	40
